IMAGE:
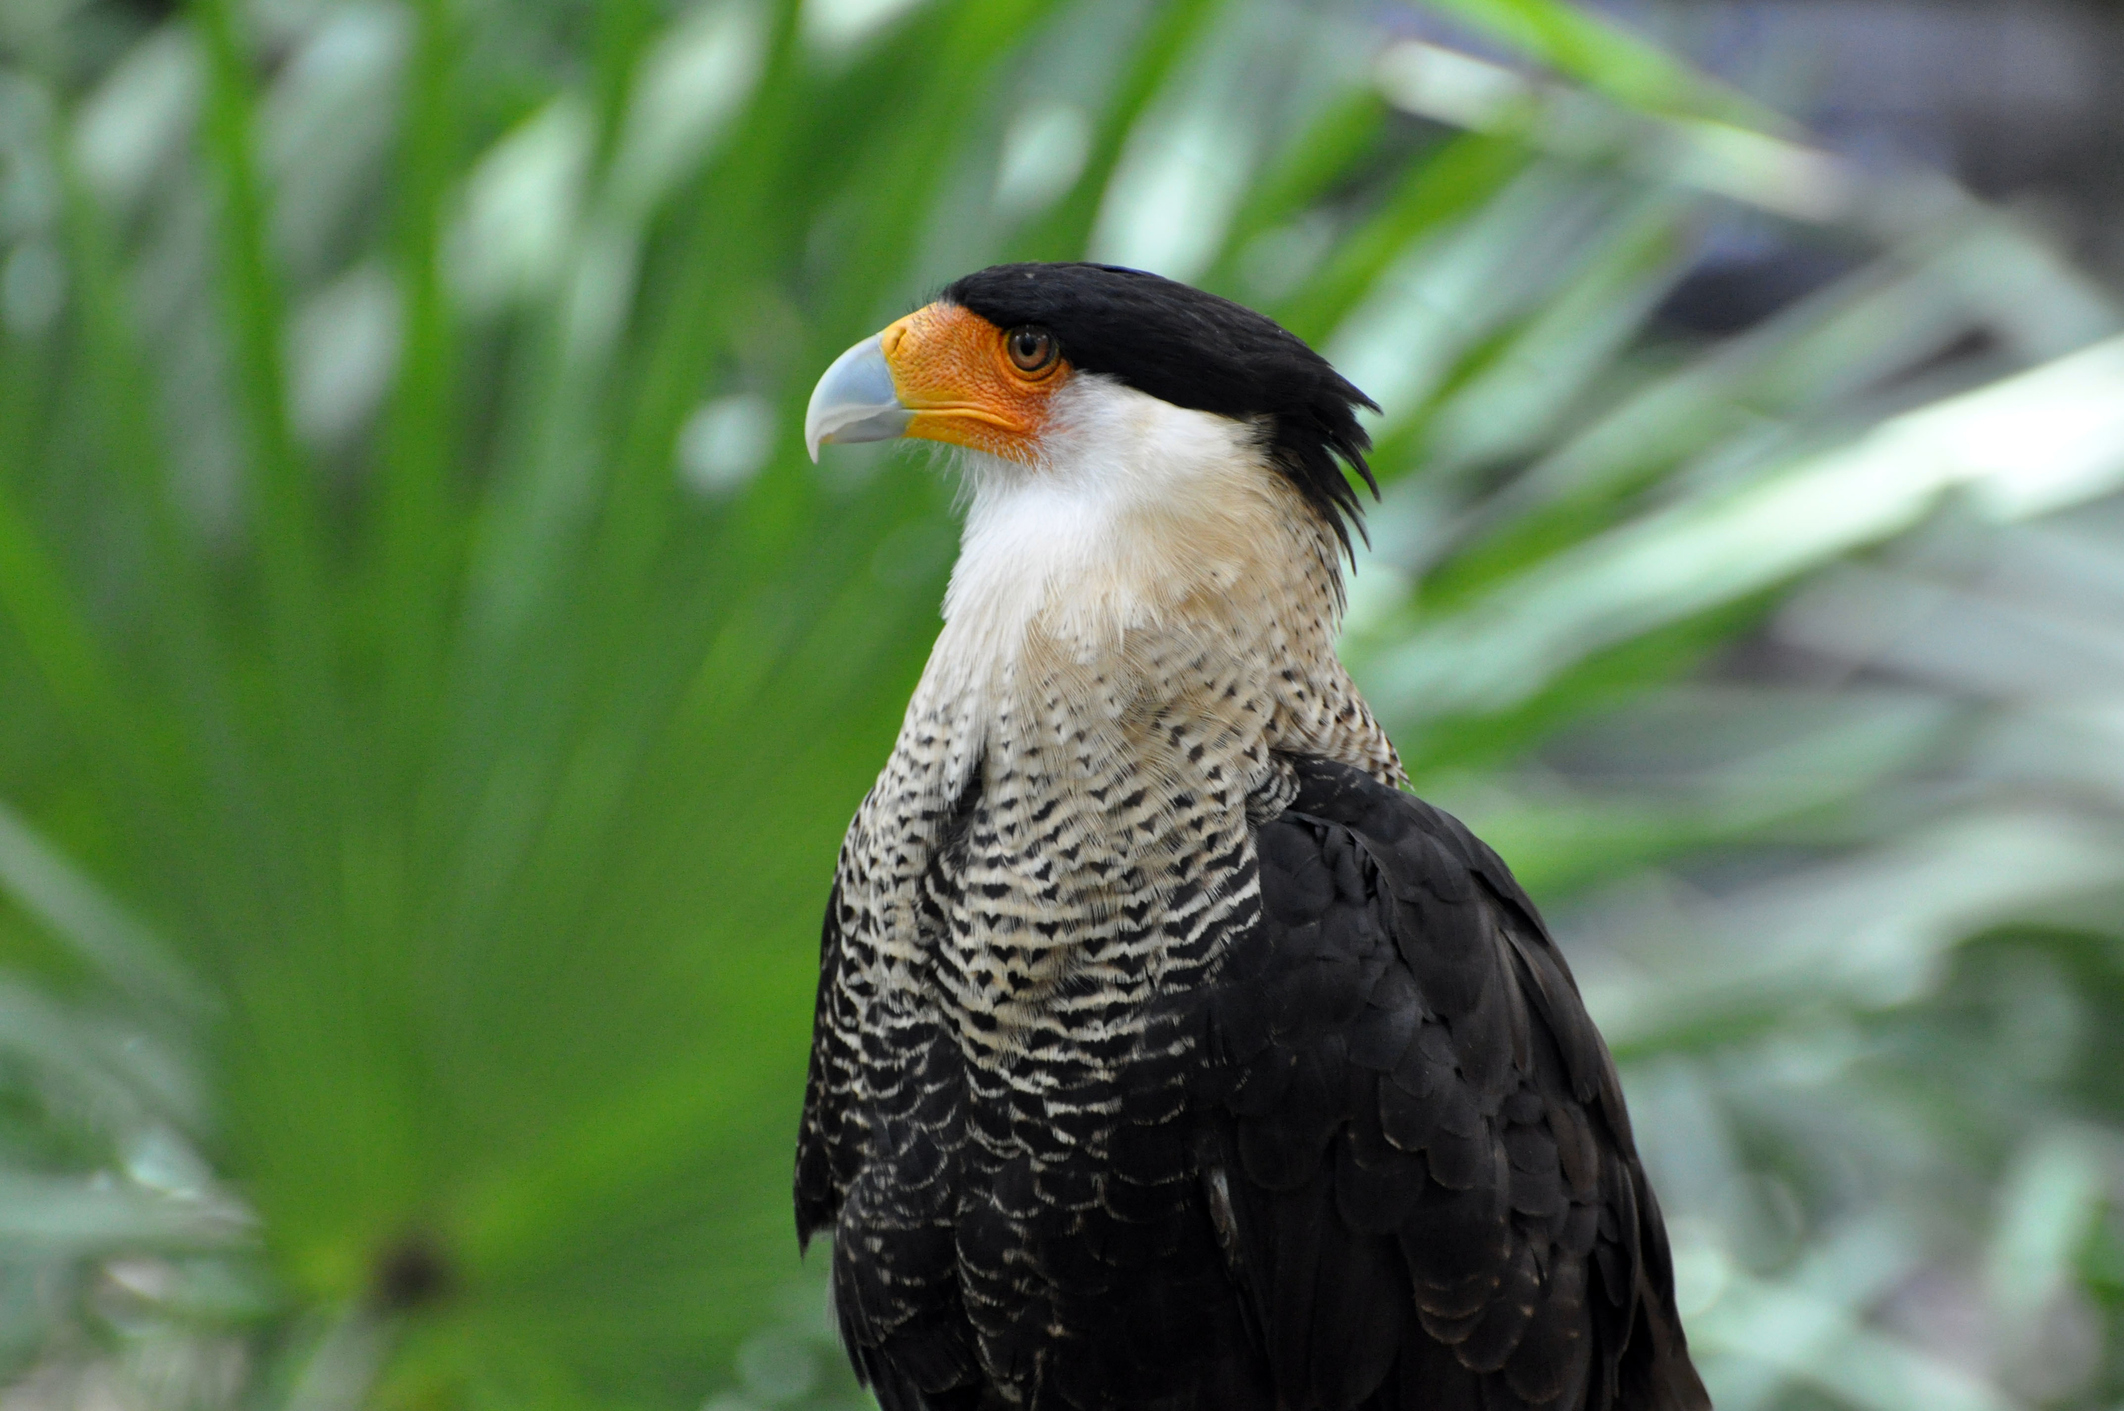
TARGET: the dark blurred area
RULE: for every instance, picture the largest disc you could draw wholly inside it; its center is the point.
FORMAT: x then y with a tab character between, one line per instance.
2022	101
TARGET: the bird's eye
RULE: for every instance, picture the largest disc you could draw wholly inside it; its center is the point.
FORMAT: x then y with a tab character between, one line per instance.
1031	349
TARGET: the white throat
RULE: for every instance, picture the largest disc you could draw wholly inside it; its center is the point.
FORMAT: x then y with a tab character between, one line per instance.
1141	512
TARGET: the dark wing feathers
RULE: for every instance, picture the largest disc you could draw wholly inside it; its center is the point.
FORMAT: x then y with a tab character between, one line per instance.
1436	1197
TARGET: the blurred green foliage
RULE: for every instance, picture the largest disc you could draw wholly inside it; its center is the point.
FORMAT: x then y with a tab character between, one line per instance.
435	683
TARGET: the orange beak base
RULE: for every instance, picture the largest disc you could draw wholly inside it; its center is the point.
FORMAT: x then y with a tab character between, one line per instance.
953	374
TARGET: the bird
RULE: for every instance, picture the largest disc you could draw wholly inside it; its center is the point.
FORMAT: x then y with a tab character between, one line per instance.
1168	1052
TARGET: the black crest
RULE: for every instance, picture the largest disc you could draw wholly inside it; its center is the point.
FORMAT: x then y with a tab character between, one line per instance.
1194	350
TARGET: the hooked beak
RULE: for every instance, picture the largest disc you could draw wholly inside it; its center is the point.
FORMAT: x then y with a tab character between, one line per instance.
855	400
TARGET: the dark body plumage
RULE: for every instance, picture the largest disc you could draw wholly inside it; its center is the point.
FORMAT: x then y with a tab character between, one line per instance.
1402	1176
1167	1054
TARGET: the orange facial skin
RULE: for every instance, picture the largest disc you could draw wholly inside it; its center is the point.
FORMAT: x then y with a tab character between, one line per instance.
952	369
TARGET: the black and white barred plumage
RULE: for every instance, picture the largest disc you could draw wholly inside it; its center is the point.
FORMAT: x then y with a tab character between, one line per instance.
1167	1053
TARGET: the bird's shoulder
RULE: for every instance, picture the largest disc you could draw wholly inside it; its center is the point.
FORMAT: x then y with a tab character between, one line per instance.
1429	1181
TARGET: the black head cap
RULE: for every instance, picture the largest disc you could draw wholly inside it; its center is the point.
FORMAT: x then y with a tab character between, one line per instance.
1194	350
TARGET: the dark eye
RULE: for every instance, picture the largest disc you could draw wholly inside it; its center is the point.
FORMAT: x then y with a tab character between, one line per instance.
1031	349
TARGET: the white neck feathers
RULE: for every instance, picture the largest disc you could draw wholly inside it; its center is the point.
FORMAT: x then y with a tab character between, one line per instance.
1141	512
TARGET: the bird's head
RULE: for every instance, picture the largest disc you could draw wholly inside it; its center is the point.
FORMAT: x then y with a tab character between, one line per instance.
1047	365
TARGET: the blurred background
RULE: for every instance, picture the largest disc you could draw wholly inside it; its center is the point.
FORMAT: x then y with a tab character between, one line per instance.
434	682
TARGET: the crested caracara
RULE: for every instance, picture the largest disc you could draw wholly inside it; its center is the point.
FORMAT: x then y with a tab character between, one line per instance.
1168	1054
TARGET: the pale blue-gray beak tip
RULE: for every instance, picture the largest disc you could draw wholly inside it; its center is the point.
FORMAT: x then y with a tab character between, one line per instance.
855	401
